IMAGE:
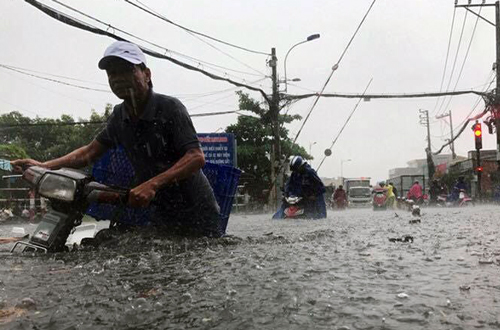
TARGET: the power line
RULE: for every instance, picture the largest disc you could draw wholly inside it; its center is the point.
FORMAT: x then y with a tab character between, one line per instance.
54	80
84	26
195	32
455	60
99	122
447	55
465	57
382	96
345	124
334	68
156	14
154	44
491	79
461	131
53	75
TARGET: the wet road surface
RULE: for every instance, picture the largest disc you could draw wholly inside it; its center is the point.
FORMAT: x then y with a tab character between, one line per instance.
337	273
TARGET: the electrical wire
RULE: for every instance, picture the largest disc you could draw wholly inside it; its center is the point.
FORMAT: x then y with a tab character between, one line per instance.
381	96
195	32
54	75
156	14
54	80
85	26
205	114
189	97
446	60
154	44
465	57
491	79
83	101
455	60
461	131
345	124
334	68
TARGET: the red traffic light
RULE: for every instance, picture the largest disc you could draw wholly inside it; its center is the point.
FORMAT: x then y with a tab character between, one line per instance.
479	169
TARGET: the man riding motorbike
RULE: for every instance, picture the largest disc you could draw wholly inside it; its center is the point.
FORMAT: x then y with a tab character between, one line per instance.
415	193
304	182
340	198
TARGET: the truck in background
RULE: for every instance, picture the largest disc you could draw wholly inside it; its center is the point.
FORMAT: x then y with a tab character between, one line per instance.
359	191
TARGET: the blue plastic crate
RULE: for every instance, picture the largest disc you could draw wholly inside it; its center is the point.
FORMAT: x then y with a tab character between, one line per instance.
224	181
115	169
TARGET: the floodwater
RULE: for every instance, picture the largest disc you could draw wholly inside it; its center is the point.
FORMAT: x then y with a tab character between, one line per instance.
337	273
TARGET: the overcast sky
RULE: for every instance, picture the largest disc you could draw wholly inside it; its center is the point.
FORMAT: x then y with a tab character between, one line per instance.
402	46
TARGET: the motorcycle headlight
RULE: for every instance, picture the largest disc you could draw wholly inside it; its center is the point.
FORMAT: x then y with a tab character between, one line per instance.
57	187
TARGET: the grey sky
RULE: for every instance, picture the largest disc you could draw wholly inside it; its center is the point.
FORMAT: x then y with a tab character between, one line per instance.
402	46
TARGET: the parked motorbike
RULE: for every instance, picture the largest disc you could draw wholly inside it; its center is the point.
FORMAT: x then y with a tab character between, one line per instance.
69	192
379	199
294	207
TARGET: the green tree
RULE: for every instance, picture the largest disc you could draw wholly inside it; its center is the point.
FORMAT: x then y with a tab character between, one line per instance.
254	139
47	138
12	151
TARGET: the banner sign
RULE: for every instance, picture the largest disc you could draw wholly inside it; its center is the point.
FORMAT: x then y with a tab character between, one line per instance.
219	148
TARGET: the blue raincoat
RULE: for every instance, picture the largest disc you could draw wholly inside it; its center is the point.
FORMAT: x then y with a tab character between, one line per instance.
306	185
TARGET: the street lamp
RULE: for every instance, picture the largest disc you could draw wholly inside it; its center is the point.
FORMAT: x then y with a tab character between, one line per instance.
310	38
310	146
284	81
342	166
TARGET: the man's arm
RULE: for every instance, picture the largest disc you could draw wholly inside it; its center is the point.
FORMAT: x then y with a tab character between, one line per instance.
80	157
192	161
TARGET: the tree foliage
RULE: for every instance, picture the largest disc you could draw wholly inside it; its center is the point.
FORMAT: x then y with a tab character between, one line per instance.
254	139
46	138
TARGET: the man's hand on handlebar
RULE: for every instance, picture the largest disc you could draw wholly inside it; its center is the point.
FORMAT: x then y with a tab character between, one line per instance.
19	165
142	195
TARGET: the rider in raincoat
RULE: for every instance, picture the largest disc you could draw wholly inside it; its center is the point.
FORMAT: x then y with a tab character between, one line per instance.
305	182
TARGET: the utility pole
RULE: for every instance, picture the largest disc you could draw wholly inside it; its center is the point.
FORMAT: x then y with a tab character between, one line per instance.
424	121
448	114
496	103
274	108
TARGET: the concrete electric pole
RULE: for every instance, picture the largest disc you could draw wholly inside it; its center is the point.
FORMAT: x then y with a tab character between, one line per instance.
496	100
424	121
274	108
452	146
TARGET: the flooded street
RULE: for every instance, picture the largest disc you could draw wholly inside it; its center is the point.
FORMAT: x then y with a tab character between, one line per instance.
338	273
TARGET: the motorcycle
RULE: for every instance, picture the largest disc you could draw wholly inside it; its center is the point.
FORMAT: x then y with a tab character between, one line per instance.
70	192
379	199
448	201
294	207
340	203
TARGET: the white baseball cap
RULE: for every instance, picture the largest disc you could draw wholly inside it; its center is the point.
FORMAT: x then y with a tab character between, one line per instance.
125	50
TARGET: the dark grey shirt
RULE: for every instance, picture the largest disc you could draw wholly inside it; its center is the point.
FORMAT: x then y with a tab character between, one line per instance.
154	143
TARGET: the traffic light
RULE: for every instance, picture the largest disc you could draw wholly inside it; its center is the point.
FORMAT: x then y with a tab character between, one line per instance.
479	169
478	135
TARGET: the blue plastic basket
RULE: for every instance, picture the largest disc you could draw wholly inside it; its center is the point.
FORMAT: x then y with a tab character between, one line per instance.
224	181
115	169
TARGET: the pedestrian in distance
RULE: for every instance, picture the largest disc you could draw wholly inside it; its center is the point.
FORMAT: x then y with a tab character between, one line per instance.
160	141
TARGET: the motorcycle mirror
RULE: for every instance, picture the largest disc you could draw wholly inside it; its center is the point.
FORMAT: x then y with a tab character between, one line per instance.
328	152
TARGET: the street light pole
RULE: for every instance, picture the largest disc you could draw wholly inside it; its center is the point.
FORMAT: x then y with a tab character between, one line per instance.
310	38
310	147
342	166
